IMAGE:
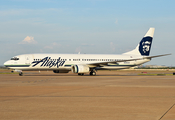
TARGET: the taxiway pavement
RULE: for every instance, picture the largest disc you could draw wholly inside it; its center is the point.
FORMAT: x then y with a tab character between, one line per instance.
110	95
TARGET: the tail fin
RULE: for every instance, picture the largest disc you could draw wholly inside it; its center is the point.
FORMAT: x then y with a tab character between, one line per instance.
144	46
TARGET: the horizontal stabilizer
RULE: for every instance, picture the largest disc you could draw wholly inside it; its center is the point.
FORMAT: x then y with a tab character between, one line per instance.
149	57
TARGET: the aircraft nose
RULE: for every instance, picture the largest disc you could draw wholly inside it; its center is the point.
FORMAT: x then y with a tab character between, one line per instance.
6	63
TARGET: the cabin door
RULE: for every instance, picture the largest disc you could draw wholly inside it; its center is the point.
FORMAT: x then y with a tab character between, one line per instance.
27	59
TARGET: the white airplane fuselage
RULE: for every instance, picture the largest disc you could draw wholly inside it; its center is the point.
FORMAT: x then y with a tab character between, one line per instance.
65	61
84	63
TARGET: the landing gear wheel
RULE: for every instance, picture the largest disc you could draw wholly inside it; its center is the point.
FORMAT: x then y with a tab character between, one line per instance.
81	74
20	74
93	73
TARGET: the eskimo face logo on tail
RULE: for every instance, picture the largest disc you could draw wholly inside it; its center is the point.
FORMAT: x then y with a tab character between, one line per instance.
48	62
145	46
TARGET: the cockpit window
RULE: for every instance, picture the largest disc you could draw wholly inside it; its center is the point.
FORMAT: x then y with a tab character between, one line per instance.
14	58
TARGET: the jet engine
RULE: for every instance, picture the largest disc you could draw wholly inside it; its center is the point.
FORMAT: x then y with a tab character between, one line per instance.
16	71
60	71
80	69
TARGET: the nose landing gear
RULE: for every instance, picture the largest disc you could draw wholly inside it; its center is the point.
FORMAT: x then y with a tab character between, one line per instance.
20	74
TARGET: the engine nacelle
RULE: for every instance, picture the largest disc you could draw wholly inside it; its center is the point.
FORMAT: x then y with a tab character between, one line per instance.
17	71
60	71
80	69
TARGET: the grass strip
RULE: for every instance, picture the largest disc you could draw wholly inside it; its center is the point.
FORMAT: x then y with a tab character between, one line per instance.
8	73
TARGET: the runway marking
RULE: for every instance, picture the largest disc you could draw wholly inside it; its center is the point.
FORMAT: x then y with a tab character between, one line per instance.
167	111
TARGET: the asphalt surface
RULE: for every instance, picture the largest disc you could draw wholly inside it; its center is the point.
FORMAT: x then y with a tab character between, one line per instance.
111	95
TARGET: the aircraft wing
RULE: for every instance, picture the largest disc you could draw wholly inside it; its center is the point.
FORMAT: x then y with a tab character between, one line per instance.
125	60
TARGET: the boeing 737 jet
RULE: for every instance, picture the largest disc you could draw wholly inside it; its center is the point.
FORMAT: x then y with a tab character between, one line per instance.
84	63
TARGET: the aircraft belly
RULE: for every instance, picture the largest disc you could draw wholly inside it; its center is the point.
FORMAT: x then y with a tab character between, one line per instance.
49	68
114	67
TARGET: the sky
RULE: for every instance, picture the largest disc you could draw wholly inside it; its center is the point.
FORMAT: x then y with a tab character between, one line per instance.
86	26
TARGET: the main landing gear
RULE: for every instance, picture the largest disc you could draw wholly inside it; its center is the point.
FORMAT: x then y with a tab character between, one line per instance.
81	74
92	73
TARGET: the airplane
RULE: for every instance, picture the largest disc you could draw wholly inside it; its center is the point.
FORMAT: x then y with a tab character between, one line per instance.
84	63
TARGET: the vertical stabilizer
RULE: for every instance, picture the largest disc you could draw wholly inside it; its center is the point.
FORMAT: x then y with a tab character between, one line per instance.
144	47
